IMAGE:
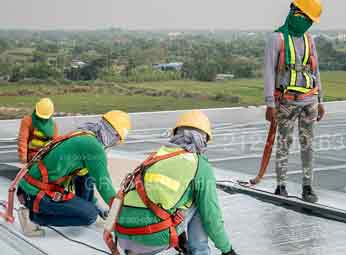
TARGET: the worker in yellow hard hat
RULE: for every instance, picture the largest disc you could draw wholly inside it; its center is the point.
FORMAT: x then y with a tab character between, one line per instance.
78	158
36	130
173	201
293	90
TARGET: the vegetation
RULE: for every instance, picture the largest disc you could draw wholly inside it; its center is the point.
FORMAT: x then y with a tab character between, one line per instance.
18	99
94	71
123	56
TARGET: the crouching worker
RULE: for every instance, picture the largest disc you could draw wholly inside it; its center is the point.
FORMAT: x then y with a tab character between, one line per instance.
170	200
43	189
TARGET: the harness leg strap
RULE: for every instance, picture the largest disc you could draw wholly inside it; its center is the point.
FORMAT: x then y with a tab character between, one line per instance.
36	206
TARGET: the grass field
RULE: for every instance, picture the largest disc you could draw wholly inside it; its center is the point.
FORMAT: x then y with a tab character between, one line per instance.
18	99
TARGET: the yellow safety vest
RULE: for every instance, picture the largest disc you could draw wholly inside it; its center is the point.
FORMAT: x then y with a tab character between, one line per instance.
304	68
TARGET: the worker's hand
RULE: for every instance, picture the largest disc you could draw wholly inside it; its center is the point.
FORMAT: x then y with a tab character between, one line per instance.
321	112
103	213
232	252
271	114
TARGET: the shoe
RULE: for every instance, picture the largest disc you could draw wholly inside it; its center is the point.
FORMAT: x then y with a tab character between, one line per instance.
309	195
281	191
29	228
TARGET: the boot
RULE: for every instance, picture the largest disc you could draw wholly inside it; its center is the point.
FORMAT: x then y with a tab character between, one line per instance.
309	195
29	228
281	191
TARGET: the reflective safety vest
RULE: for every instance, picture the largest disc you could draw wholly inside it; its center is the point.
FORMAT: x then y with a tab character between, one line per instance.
37	141
158	185
166	181
307	67
56	190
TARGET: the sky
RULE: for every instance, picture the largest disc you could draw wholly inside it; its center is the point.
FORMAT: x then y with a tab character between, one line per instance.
157	14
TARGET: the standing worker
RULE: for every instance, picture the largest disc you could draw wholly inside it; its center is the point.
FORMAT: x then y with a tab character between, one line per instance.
36	130
293	90
43	191
173	198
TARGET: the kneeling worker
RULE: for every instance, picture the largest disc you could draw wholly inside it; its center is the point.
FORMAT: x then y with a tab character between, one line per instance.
43	190
173	202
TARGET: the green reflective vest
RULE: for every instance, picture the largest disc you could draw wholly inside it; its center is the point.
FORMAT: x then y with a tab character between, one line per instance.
166	181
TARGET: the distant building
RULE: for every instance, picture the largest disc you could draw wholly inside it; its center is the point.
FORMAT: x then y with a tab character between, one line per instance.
224	77
5	78
77	64
174	35
342	37
175	66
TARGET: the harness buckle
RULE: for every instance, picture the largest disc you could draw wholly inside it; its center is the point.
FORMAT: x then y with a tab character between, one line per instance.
57	197
299	68
127	183
178	217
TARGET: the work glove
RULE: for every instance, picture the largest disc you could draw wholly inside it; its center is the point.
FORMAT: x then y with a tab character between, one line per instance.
231	252
103	213
271	114
321	112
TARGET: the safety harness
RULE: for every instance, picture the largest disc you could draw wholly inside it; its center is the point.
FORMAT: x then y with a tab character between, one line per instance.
53	189
168	221
308	66
288	93
8	213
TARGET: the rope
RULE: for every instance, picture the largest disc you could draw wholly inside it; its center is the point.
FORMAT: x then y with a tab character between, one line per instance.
77	242
3	204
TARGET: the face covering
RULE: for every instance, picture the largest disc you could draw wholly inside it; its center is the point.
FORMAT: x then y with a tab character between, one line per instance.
296	25
46	126
104	133
190	139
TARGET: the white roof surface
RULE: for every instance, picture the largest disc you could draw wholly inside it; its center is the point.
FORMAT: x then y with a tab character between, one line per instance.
255	227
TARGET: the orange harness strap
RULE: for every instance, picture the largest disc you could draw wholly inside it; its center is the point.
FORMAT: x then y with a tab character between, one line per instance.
292	96
53	190
169	221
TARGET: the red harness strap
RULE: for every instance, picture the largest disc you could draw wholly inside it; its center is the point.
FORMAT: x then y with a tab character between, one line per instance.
290	97
169	221
53	190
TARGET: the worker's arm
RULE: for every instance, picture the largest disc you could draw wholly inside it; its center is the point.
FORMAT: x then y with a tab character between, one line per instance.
96	163
23	139
207	203
318	83
271	57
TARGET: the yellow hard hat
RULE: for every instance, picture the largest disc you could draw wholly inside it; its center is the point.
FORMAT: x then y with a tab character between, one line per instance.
44	108
195	119
312	8
120	121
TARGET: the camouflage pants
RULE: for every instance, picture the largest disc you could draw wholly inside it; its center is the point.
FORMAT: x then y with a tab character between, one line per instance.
286	117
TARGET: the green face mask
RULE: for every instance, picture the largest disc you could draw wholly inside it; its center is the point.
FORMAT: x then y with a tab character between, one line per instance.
298	25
